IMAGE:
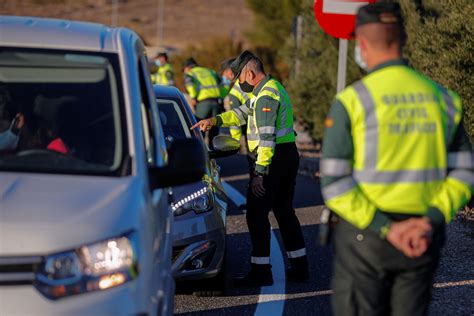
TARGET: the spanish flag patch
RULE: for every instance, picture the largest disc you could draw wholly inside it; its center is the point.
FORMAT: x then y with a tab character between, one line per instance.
328	122
266	110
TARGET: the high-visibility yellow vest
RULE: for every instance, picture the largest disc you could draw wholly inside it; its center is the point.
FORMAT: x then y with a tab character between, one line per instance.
261	137
242	97
284	126
402	125
161	75
202	83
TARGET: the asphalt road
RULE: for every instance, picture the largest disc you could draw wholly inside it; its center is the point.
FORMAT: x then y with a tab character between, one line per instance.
454	284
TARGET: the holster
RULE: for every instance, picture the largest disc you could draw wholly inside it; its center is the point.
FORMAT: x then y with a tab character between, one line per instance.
328	222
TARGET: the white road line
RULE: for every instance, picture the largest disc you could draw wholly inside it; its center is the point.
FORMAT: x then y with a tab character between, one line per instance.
272	298
453	284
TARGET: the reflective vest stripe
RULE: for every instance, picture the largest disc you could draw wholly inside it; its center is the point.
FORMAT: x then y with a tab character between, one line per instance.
267	130
371	125
240	115
450	108
400	176
461	160
245	109
465	176
283	104
296	253
283	131
253	137
267	143
251	128
333	167
338	188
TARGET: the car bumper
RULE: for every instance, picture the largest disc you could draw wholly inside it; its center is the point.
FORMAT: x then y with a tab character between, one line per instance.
121	300
205	234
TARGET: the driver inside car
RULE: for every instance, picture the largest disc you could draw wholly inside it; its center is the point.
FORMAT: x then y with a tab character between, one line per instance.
9	127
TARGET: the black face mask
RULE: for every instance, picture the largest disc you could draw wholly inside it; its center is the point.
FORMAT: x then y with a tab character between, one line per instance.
246	87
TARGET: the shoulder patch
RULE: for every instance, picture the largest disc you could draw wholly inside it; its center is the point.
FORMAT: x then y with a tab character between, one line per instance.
328	122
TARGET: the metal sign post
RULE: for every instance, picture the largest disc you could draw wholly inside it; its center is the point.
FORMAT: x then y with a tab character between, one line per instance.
337	18
342	65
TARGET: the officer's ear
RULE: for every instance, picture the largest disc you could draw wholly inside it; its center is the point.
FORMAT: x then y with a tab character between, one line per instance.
252	75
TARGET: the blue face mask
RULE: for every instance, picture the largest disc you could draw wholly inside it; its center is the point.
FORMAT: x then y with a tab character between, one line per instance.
157	62
225	80
8	139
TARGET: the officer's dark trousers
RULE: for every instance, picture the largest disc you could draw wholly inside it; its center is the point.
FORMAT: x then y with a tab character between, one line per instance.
206	109
371	277
279	190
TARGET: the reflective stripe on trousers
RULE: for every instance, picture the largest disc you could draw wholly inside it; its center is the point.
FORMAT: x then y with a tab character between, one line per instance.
296	253
260	260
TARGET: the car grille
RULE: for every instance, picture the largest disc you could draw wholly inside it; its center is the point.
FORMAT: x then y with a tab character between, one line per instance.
18	270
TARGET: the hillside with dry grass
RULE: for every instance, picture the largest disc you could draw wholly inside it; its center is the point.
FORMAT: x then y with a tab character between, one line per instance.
186	22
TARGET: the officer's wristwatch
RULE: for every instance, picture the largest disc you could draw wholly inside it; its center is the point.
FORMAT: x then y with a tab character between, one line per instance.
258	174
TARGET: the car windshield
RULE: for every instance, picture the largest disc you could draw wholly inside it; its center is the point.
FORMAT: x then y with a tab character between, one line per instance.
172	120
60	112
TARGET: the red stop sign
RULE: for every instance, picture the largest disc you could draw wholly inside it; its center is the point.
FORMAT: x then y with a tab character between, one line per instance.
337	17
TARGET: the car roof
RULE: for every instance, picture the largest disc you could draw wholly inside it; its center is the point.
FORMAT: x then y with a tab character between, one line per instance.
170	92
166	91
33	32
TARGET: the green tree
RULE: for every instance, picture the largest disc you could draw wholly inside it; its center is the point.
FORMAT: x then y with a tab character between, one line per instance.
313	87
441	45
273	22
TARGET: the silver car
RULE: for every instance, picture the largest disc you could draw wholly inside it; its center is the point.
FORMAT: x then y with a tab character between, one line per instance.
85	222
200	208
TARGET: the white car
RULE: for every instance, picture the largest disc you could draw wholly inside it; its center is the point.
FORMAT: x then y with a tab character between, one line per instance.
85	223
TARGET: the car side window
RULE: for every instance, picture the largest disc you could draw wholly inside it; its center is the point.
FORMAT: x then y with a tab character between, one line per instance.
173	121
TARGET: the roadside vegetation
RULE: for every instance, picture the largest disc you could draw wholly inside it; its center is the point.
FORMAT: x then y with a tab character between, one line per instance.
440	45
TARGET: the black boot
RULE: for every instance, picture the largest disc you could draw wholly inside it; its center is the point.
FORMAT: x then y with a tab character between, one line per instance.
259	275
298	271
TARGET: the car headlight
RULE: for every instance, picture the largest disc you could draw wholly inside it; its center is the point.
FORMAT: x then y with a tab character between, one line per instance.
98	266
200	201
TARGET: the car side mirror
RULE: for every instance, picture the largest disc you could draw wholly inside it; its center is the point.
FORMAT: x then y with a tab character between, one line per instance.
186	164
224	146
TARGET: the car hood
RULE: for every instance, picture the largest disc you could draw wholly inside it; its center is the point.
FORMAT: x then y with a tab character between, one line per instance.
41	214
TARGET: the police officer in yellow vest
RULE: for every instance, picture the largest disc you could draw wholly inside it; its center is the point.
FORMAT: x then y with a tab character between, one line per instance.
396	166
204	89
271	138
165	73
235	97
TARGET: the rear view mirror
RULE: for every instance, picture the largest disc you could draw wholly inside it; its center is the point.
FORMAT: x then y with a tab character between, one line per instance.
186	164
224	146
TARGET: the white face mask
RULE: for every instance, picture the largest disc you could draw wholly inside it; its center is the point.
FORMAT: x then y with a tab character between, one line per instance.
8	139
358	58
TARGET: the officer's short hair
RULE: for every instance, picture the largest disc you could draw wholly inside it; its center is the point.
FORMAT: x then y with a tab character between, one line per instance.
256	65
162	54
382	23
